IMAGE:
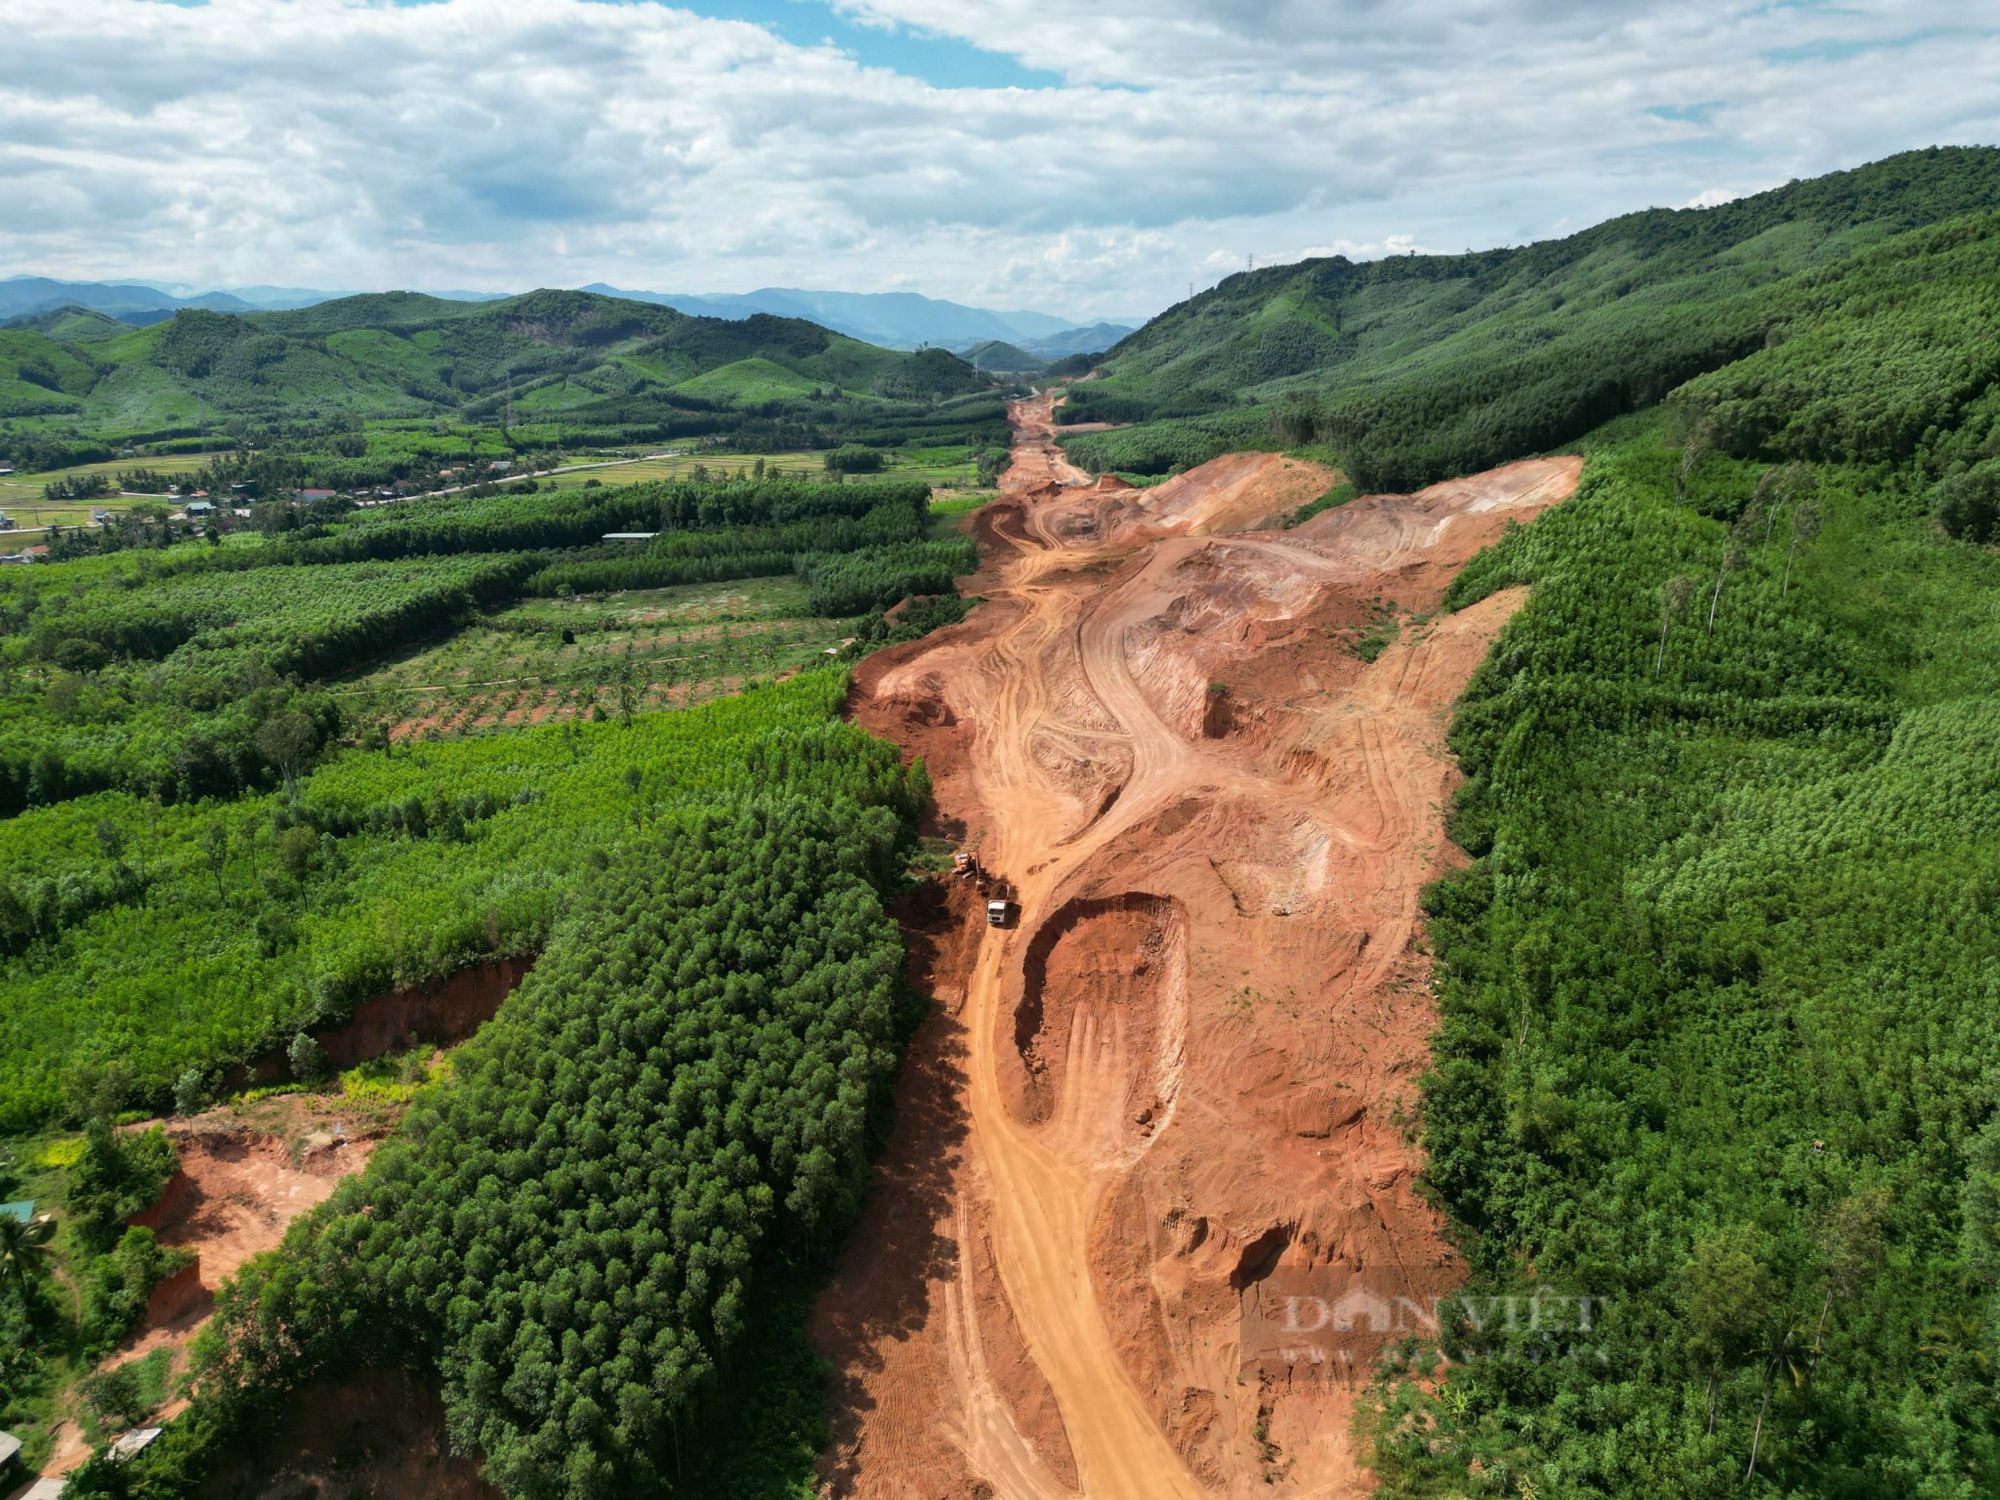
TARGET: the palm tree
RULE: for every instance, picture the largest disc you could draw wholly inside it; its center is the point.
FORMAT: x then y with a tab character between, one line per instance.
22	1242
1785	1356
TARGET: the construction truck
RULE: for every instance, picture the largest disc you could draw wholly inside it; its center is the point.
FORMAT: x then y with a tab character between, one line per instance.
998	893
1000	904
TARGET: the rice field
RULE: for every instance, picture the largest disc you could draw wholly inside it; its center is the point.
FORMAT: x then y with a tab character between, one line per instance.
597	658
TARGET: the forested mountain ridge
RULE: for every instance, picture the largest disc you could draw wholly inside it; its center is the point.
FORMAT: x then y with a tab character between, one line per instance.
1003	358
1717	994
892	320
402	354
1094	339
1414	367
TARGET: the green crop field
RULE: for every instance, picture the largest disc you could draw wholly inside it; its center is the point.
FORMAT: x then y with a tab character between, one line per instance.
185	671
942	466
600	657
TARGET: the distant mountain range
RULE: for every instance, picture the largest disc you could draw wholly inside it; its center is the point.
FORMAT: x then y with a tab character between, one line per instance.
1092	338
895	320
891	320
129	302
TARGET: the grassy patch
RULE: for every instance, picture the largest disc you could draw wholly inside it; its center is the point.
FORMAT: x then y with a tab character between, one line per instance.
1339	495
389	1080
124	1396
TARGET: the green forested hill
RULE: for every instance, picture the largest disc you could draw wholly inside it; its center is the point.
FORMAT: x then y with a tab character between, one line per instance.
71	325
1005	358
1720	993
403	354
368	377
1419	366
38	375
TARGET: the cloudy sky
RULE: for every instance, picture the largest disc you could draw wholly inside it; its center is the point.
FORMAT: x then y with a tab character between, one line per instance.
1084	157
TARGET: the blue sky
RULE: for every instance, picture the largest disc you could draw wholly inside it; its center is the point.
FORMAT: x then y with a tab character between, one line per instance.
1088	159
941	61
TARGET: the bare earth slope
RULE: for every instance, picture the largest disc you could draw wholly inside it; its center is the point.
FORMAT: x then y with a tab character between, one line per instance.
1181	1071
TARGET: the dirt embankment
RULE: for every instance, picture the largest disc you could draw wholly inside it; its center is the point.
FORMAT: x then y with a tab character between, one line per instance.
1212	761
247	1172
440	1011
244	1175
380	1433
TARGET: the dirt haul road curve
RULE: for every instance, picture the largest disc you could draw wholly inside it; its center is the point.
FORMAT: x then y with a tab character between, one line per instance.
1181	1072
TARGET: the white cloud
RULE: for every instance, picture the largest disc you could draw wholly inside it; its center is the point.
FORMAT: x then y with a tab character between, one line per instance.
508	143
1713	197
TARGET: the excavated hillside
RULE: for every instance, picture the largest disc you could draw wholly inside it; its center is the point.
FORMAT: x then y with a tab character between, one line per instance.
1210	761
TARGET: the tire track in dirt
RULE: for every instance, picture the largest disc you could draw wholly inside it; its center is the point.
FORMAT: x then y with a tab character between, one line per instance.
1181	1072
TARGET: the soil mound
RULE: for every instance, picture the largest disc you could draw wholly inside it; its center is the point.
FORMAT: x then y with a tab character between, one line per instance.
1102	1021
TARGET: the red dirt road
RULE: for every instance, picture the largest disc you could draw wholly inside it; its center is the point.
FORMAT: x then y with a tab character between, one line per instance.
1181	1071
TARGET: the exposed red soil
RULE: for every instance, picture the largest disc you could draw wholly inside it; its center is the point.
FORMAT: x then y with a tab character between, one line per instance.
244	1184
1180	1074
1234	493
247	1172
410	729
244	1176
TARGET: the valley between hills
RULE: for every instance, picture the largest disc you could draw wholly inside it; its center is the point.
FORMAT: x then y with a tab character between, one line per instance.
1387	887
